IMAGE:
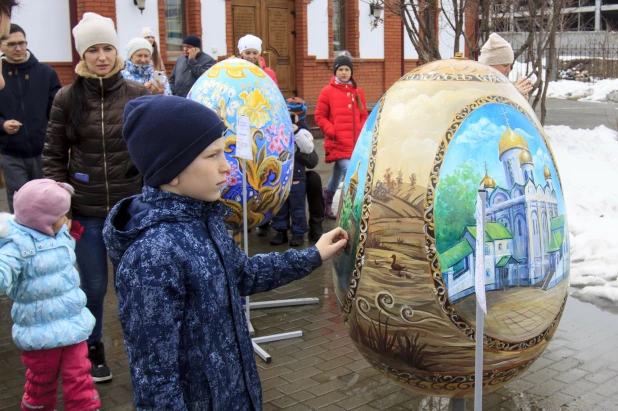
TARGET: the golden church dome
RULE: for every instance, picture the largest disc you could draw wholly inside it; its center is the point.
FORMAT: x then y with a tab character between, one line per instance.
546	172
525	157
511	139
488	182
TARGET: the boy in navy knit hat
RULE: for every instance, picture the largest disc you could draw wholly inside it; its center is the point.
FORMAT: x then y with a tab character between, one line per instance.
179	274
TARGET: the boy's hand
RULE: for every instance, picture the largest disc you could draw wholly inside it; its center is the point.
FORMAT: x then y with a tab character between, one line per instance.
332	242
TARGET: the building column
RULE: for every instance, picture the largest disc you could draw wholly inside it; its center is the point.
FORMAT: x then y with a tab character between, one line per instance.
106	8
393	48
597	15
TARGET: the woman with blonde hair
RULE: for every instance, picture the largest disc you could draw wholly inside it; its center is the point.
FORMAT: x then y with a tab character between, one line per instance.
157	61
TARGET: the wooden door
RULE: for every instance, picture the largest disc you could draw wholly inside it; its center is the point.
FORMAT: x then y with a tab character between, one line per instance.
273	22
278	38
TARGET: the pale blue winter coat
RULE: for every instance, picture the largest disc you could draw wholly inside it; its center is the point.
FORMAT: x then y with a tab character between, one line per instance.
38	273
144	74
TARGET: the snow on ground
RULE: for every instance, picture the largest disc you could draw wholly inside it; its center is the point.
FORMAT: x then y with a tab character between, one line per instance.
588	165
577	90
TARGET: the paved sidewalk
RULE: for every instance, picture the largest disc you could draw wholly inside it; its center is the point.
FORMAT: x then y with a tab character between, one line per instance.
323	370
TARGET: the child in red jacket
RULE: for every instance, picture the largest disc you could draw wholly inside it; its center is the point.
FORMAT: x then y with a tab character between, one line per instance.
340	113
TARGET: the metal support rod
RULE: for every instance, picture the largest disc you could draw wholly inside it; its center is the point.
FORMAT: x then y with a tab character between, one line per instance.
259	351
478	366
480	299
277	337
285	303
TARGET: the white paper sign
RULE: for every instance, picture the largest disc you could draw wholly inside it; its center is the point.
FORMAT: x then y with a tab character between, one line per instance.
243	138
479	266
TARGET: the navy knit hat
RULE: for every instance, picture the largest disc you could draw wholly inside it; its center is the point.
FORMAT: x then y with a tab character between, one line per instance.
193	41
165	134
296	105
343	61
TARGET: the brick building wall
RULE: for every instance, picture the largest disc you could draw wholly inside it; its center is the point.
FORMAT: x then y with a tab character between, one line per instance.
375	76
106	8
64	70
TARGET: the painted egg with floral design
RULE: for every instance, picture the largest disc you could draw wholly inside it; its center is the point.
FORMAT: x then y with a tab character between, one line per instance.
234	88
408	279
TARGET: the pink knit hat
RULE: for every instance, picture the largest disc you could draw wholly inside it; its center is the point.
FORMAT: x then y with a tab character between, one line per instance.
40	203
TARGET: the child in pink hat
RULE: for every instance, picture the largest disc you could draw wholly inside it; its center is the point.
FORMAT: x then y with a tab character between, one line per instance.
51	321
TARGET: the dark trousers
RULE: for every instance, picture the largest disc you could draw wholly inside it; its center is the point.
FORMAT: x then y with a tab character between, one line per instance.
314	195
91	257
294	208
17	172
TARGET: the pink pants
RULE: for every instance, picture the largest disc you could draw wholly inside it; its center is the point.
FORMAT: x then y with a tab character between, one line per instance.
44	367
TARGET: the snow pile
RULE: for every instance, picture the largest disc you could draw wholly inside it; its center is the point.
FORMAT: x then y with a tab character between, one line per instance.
588	165
569	89
576	90
602	88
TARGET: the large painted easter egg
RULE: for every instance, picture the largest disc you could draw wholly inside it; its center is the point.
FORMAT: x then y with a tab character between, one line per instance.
234	88
406	280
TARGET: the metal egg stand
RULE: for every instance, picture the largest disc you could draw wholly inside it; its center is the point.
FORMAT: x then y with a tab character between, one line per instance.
265	304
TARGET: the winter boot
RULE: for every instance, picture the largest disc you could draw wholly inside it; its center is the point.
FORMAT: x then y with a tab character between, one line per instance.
296	240
279	238
100	371
262	230
328	203
315	228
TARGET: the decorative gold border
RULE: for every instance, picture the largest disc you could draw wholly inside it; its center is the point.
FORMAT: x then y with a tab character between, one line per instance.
438	382
364	220
455	70
484	78
430	241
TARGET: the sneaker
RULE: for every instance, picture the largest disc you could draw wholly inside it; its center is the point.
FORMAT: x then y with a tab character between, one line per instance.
100	371
279	238
296	240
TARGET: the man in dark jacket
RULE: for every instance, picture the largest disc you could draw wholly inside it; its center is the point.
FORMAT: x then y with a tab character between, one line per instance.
25	103
190	66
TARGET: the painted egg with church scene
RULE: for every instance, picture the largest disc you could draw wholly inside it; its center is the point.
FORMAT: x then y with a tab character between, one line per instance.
234	88
405	282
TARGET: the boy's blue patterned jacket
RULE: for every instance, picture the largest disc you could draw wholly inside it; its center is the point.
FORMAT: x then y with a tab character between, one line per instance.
179	280
144	74
38	273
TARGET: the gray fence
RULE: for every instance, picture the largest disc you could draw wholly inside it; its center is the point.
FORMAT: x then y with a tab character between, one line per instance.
580	56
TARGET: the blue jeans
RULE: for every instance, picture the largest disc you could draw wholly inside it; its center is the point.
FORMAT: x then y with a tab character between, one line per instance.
92	265
339	171
293	207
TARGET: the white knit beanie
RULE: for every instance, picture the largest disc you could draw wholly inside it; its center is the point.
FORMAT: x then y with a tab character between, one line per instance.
496	51
137	44
94	29
148	32
249	42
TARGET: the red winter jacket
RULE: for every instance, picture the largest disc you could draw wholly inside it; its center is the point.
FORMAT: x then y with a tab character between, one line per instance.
338	116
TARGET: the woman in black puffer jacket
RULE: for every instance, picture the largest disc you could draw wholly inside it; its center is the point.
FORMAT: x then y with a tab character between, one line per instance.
84	147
